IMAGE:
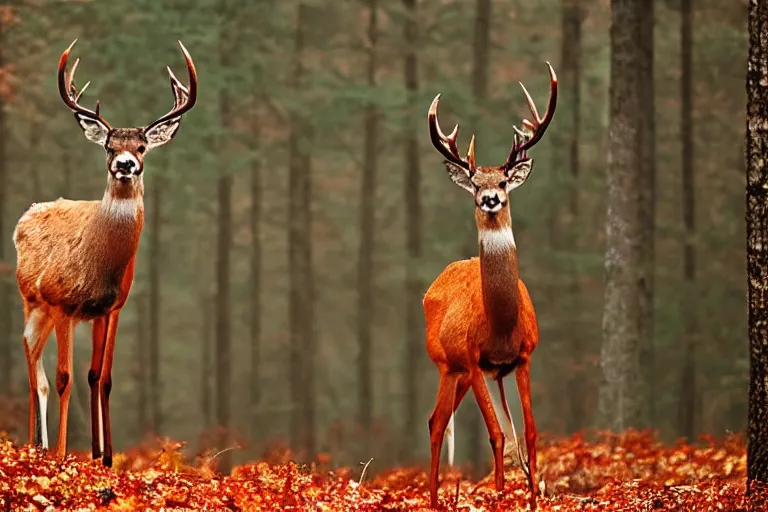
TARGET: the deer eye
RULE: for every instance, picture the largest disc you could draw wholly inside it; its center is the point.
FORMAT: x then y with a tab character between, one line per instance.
142	149
502	184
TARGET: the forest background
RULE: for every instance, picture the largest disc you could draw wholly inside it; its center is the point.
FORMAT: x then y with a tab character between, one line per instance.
298	217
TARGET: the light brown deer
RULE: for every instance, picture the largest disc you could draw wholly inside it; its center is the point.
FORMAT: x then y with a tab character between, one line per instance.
76	260
480	318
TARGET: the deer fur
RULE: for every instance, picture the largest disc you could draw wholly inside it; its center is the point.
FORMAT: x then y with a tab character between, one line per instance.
76	261
480	320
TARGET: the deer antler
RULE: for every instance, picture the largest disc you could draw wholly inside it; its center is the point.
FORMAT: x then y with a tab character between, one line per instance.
446	145
523	141
184	99
69	92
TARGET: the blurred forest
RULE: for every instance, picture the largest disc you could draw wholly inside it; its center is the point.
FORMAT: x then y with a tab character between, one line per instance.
298	217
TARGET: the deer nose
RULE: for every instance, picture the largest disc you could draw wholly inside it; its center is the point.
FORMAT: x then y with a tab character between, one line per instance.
490	200
127	165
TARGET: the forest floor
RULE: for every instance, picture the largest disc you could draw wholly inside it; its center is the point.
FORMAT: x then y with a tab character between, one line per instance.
629	472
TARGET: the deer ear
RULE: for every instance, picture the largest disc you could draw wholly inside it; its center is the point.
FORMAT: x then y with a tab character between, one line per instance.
459	176
94	130
162	133
518	174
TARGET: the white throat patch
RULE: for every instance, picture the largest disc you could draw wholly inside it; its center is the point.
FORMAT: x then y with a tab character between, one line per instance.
497	240
122	208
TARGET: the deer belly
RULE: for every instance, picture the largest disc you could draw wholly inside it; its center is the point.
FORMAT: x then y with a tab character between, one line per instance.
83	300
499	357
98	305
496	370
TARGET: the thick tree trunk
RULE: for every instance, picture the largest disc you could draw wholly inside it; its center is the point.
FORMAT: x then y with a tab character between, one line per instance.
365	276
154	257
757	242
223	264
7	347
570	73
648	216
620	391
414	332
481	51
688	392
255	316
301	286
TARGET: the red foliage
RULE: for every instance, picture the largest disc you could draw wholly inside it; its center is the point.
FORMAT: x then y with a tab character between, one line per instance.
630	471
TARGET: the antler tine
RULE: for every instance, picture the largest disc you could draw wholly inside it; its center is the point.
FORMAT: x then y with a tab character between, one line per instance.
471	155
68	91
446	145
191	92
538	126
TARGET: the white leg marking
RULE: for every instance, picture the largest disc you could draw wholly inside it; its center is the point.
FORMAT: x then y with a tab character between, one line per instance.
33	339
497	240
101	424
42	396
450	437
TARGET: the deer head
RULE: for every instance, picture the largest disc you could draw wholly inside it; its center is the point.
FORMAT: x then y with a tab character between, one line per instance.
126	147
491	186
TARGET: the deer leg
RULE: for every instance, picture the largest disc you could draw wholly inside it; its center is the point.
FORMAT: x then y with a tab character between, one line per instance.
450	432
511	423
64	335
523	375
37	328
98	337
105	385
492	424
446	393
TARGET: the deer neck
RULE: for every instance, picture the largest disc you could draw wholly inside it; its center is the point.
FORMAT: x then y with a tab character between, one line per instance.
498	270
118	223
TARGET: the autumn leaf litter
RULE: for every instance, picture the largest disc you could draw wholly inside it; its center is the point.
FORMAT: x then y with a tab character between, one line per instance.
631	471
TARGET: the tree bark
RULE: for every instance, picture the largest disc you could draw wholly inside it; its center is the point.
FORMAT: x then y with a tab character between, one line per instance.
413	286
154	257
7	347
570	54
648	216
256	253
207	305
688	392
365	279
223	260
481	51
620	390
301	286
757	242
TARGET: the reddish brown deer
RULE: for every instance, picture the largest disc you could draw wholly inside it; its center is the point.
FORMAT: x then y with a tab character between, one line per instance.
75	260
479	316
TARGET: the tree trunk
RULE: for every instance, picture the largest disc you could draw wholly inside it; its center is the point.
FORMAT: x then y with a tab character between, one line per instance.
7	347
255	315
223	250
757	243
155	256
414	332
141	365
301	286
207	305
619	398
481	50
688	392
365	279
570	54
648	216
